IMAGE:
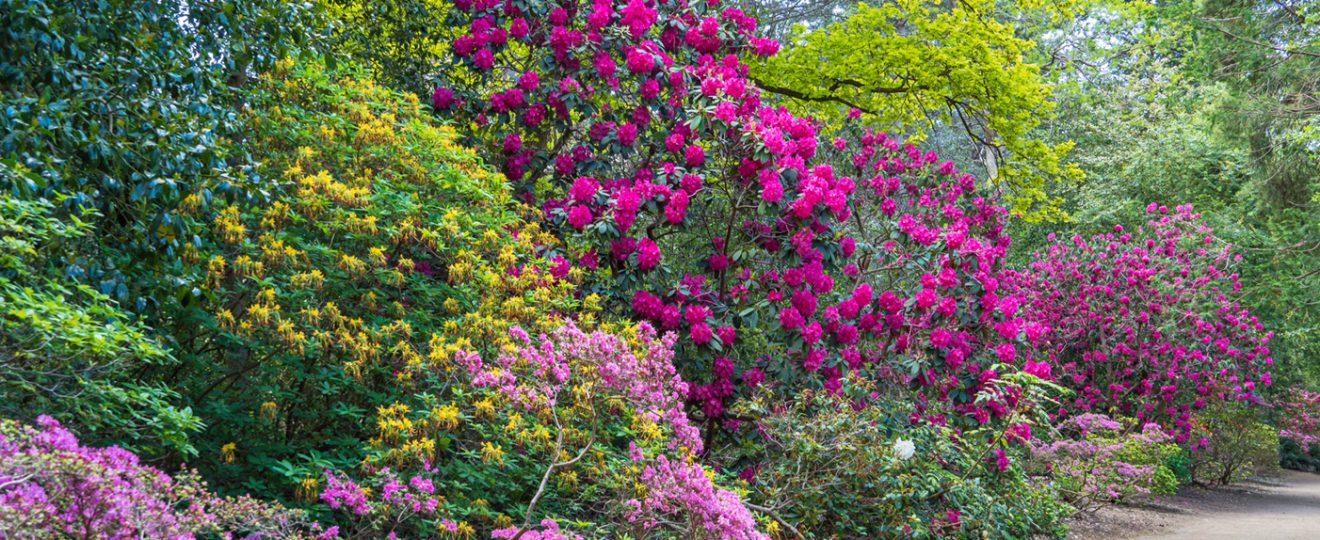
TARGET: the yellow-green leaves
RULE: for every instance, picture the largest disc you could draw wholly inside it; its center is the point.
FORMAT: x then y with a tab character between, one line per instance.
915	66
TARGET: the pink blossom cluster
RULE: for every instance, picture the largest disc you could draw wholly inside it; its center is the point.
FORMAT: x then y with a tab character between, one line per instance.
678	486
536	373
1090	464
387	503
923	278
51	486
549	531
1298	412
1146	322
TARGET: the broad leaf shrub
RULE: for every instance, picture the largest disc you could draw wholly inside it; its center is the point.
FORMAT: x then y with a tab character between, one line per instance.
69	351
835	467
633	129
126	108
1096	460
1146	322
1231	443
52	486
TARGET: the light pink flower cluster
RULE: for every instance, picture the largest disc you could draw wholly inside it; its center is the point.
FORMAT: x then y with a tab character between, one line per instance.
51	486
676	486
534	374
1090	466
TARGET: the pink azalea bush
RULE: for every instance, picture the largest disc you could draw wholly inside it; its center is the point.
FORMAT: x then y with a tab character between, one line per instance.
611	405
536	374
51	486
1146	322
1098	460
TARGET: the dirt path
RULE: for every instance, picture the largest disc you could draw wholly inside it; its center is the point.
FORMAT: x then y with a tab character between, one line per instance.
1286	509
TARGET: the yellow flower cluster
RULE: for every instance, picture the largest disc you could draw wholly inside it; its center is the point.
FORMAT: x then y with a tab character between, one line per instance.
391	250
404	441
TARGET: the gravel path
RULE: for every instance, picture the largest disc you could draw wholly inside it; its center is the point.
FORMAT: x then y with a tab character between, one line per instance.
1286	509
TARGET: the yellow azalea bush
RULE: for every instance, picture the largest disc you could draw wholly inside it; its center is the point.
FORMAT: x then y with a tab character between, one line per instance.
381	248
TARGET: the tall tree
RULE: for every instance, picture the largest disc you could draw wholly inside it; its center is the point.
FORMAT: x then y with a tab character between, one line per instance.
921	66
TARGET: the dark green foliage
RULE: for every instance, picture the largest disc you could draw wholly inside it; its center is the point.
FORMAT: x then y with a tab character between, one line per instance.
68	351
1180	464
1234	444
397	39
1293	456
128	107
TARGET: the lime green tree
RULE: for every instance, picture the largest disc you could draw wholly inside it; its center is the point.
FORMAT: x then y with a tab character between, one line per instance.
918	66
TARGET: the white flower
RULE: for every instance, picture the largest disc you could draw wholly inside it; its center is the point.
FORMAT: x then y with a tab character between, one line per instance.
904	449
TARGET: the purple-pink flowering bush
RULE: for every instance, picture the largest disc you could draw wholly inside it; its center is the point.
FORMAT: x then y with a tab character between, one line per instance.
1298	412
539	376
1097	460
553	411
1146	322
53	487
639	136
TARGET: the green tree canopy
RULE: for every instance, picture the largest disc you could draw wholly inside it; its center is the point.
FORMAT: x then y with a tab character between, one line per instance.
923	65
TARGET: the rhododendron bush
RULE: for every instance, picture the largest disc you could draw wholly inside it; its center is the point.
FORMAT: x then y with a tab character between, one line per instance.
706	211
1147	322
1297	411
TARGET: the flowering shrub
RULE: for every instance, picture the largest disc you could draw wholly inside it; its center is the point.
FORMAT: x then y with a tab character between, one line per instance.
926	304
833	467
578	409
1145	322
1097	460
52	486
648	150
384	248
1297	411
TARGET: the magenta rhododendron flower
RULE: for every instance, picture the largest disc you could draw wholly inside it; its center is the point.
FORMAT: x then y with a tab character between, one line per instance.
1039	369
579	216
